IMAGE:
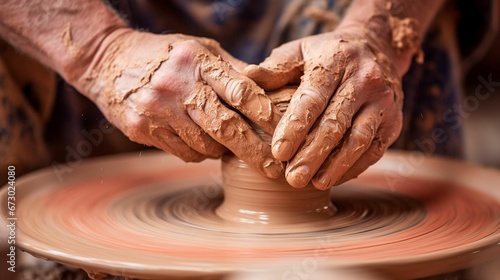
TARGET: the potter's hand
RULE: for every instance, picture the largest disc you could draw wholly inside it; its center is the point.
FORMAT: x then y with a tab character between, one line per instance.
346	111
180	94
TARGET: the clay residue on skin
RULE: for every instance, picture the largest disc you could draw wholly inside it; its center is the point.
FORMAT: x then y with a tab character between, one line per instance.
70	46
388	67
404	35
227	126
130	86
243	95
110	72
240	95
281	97
279	72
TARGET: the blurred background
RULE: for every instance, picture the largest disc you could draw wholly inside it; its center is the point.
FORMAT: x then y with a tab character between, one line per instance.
482	127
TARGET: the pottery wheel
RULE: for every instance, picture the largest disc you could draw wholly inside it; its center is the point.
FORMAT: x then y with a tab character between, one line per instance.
151	216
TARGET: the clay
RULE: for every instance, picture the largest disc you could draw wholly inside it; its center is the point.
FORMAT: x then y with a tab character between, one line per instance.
104	75
288	72
357	101
226	126
154	217
188	109
249	99
250	198
347	110
405	35
72	49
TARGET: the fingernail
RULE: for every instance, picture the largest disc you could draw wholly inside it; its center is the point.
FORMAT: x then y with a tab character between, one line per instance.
299	176
273	168
282	150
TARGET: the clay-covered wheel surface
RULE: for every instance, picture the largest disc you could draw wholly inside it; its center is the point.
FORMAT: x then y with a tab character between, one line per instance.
151	215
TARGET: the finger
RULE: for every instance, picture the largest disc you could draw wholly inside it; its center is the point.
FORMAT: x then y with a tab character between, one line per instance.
173	144
374	153
144	118
239	92
229	129
283	66
319	144
197	139
354	145
307	104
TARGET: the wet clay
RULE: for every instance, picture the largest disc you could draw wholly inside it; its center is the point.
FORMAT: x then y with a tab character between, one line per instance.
405	36
182	96
251	198
154	217
107	70
331	134
70	46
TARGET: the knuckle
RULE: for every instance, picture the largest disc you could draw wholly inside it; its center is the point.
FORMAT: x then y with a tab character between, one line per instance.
310	104
224	128
349	51
146	100
332	130
387	95
200	100
374	73
372	76
377	151
185	52
363	133
136	127
337	121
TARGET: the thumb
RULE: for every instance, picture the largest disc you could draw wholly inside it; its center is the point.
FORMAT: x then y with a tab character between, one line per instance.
283	66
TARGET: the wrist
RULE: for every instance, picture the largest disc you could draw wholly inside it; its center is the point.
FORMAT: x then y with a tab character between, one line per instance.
74	68
398	39
86	78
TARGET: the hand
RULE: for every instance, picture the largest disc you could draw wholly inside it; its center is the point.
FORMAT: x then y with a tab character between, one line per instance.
179	93
345	112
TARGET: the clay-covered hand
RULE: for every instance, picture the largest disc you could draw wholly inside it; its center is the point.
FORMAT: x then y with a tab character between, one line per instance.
346	111
181	94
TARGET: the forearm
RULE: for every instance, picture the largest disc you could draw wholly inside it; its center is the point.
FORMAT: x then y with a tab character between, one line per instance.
62	34
382	17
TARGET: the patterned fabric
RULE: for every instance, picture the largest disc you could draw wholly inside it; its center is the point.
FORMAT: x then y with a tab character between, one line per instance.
25	103
432	93
39	128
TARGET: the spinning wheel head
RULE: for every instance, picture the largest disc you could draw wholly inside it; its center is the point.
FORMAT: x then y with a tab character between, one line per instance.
155	216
